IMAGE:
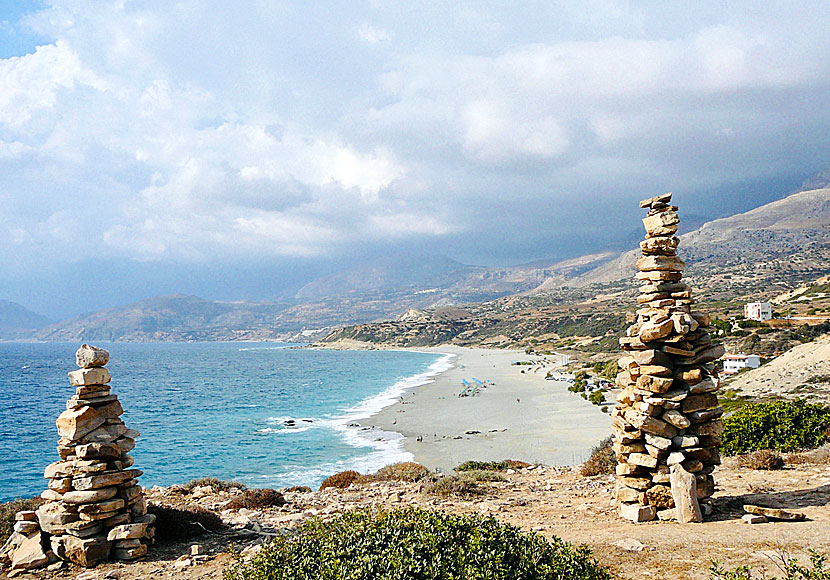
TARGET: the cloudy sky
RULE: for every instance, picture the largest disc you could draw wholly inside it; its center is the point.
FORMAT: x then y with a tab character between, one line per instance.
236	149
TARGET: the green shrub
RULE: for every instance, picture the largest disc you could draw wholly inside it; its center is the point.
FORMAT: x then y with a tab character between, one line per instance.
764	459
404	471
256	499
174	524
789	566
602	461
10	508
413	544
492	465
779	425
341	480
214	482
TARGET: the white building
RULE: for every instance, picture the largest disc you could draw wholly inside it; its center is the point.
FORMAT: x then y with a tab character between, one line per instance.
758	310
732	363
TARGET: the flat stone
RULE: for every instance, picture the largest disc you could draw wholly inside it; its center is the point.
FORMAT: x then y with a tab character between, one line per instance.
129	553
754	519
53	516
93	391
638	483
26	528
105	434
98	451
667	515
26	516
76	402
713	428
108	505
657	441
637	513
125	444
84	529
100	481
655	262
111	410
665	245
774	513
626	494
51	495
75	423
133	543
629	544
654	331
705	415
90	376
651	357
699	402
128	531
29	555
86	552
684	493
659	276
655	370
676	419
90	496
705	386
89	356
650	424
663	198
642	459
654	384
116	520
628	469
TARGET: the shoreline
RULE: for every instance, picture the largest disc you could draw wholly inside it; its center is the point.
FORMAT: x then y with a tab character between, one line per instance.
511	415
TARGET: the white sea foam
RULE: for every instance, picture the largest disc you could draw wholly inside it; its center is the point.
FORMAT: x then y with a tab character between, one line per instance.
386	447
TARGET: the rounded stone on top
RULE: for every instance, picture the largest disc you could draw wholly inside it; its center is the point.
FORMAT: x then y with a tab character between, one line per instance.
91	356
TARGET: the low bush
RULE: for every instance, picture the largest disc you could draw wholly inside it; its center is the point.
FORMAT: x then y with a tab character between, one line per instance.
174	524
297	489
256	499
790	567
404	471
483	475
10	508
779	425
214	482
602	461
765	459
340	480
492	465
413	544
452	485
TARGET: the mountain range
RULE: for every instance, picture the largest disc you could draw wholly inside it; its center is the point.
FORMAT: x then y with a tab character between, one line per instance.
787	241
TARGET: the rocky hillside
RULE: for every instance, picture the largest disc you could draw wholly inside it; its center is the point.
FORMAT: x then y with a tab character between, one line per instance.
785	239
17	321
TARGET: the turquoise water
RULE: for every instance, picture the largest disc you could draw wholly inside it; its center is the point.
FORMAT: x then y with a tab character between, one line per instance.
260	413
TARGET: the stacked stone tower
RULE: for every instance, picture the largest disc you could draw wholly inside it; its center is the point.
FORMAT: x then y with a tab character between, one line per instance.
95	508
666	422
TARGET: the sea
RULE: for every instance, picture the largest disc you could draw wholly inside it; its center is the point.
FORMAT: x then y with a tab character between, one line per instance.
265	414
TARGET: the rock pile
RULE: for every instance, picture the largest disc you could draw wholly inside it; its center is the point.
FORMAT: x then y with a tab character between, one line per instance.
94	507
667	423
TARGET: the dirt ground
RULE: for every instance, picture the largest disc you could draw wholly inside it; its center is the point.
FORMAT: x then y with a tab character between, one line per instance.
546	500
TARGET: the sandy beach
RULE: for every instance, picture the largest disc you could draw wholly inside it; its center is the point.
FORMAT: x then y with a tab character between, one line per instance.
512	415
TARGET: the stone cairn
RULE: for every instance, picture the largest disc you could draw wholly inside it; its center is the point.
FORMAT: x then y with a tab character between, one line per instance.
667	423
95	508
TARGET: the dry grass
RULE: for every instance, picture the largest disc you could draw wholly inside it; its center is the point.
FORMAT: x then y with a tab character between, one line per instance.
10	508
257	499
820	456
341	480
452	485
404	471
765	459
214	482
603	460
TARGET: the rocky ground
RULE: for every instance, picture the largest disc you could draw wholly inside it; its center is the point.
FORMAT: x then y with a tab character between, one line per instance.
546	500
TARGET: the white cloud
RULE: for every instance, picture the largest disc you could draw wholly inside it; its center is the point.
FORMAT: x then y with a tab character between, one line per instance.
200	129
